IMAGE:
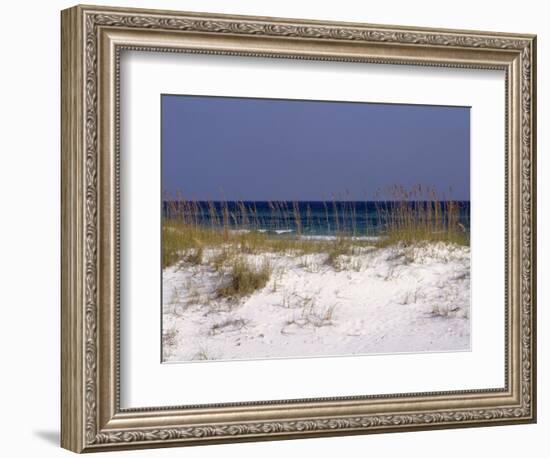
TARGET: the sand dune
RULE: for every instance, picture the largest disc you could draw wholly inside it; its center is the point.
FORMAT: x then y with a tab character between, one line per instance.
378	300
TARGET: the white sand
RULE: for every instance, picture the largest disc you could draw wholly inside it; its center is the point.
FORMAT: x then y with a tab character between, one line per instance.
396	299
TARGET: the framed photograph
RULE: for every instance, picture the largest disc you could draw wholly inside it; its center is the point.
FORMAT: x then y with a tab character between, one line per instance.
278	228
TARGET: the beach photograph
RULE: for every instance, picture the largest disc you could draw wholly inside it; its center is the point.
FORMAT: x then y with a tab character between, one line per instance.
308	228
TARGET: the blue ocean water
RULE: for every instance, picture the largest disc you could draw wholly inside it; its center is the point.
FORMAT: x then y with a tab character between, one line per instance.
304	217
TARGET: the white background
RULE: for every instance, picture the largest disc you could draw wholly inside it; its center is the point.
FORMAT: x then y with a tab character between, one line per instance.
29	245
146	75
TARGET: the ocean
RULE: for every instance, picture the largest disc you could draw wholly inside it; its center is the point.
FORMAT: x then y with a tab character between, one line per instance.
317	218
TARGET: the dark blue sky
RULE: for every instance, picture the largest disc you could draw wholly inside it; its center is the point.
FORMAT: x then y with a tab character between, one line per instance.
222	148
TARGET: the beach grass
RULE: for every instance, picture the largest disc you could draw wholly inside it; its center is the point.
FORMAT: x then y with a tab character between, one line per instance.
182	242
337	248
420	215
244	279
409	216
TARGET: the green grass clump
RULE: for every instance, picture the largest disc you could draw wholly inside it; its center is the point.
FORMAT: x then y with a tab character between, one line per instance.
420	215
183	242
245	279
336	249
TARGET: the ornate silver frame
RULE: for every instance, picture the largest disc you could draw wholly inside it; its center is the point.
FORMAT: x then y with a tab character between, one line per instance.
92	38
